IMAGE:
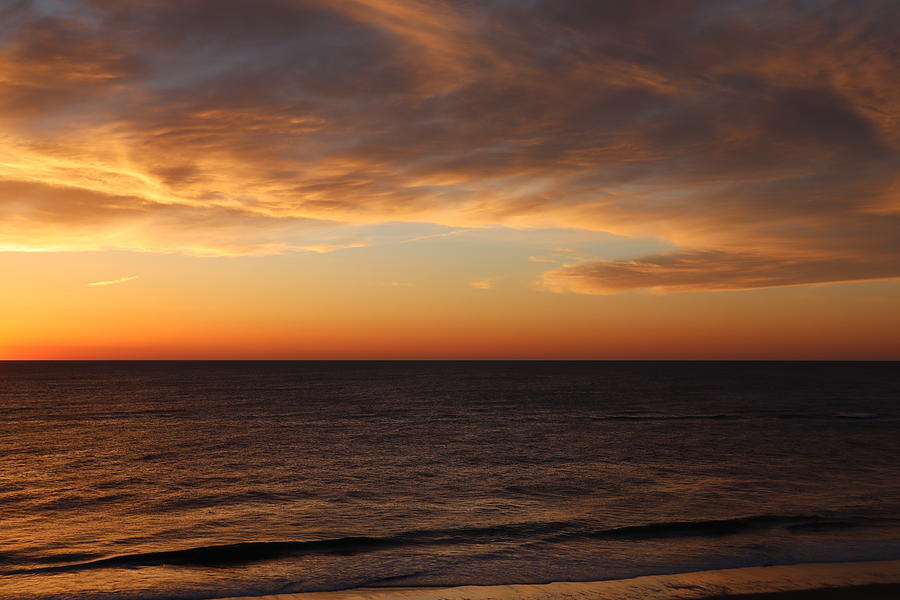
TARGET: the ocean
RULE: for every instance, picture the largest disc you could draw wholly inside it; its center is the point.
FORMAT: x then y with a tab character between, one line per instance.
190	480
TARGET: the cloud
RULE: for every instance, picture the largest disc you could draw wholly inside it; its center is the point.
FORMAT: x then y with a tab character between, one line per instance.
758	135
706	271
323	248
483	284
113	281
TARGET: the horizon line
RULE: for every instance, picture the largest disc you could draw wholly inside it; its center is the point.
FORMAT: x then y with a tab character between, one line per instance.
612	360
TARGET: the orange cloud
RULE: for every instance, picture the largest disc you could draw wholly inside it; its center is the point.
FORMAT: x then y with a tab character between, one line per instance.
706	271
113	281
758	138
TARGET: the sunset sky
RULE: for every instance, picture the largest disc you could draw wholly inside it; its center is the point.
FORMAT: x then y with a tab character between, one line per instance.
450	179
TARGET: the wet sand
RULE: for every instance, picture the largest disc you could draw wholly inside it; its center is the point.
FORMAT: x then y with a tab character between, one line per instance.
878	580
858	592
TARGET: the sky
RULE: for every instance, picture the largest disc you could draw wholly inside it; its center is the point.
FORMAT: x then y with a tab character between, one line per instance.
571	179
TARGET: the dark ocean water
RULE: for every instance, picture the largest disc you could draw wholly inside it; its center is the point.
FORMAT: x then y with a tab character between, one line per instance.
204	479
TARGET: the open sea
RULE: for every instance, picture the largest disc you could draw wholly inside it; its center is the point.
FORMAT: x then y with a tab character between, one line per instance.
189	480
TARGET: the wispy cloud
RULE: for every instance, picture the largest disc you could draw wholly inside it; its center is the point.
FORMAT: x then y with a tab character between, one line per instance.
705	271
113	281
483	284
743	129
324	248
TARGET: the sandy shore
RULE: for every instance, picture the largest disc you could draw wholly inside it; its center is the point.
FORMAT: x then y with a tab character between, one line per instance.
885	591
815	581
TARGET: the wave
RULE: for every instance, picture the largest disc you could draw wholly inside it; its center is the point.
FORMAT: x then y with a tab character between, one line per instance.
220	555
740	417
666	417
551	531
717	527
249	552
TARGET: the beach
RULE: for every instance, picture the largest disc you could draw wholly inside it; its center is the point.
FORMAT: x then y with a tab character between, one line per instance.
874	580
860	592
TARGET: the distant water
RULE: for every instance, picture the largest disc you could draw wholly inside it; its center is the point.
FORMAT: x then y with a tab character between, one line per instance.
203	479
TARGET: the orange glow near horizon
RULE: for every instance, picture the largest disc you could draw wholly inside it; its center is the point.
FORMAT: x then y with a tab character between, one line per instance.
194	309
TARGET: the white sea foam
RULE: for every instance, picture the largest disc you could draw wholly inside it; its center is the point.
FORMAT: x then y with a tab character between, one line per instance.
682	586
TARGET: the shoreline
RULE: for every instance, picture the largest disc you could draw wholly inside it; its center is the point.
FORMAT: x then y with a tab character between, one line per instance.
875	591
871	580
